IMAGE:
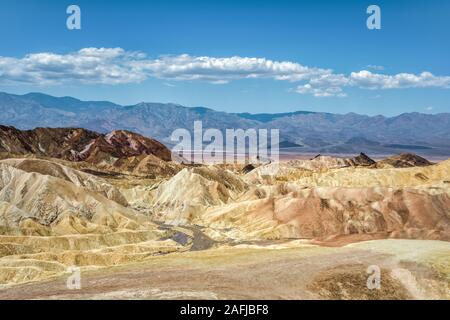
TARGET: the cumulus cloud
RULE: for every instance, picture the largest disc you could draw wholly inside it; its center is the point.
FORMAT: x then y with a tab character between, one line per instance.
118	66
327	85
321	92
332	85
89	65
369	80
115	66
223	70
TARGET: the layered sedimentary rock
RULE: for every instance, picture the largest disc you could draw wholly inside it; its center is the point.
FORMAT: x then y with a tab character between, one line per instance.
279	201
317	213
78	178
76	197
47	200
191	191
78	144
52	217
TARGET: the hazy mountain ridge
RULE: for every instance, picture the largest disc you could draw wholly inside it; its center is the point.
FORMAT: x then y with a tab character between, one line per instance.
315	131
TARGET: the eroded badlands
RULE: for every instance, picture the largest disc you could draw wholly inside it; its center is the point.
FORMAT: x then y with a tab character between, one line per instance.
140	226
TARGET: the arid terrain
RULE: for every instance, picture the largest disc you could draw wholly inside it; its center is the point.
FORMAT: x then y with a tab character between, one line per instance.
141	226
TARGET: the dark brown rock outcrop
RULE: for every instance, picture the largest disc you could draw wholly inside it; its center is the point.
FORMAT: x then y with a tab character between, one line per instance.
76	144
404	160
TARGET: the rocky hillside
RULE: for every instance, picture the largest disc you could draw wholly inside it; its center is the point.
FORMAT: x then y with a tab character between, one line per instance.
403	160
314	202
76	144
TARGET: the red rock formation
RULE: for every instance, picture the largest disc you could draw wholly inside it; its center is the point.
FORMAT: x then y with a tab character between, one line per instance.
76	144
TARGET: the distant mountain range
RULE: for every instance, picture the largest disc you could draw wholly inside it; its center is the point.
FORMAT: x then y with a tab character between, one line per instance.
301	131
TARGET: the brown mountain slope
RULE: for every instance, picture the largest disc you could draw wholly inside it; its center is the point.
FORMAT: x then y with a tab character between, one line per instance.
321	162
361	160
77	144
403	160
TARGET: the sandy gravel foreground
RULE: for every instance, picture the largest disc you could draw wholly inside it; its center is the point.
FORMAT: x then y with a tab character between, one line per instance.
410	269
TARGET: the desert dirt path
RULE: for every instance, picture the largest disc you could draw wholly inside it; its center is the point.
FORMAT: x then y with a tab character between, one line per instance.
233	273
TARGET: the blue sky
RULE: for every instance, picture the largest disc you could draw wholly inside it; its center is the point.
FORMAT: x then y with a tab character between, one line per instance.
288	55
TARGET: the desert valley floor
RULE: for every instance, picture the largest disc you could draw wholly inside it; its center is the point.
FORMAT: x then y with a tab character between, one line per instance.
143	227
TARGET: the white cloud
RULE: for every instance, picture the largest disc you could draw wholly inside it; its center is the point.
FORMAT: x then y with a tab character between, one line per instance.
321	92
223	70
89	65
117	66
326	85
369	80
